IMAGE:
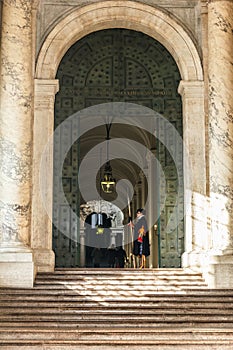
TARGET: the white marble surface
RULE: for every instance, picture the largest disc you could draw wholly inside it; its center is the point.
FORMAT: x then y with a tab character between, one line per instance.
16	121
16	259
221	121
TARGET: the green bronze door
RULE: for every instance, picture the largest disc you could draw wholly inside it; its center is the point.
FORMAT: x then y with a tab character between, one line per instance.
116	65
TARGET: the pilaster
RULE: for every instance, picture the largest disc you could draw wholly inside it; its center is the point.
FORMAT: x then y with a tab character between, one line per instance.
45	91
196	205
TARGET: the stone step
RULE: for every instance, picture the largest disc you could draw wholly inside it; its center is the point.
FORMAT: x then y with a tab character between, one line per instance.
122	305
122	280
65	344
127	286
95	313
121	277
34	307
118	345
89	334
105	293
102	309
131	318
184	295
119	273
110	271
59	324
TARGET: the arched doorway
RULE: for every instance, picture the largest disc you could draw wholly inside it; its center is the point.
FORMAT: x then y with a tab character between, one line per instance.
82	21
118	65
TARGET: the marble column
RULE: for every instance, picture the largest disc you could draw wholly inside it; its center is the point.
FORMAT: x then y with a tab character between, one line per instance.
143	189
41	241
151	209
82	248
16	263
139	195
113	235
220	44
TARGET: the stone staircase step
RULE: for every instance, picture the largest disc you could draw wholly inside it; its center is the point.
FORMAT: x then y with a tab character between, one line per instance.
133	282
126	318
122	305
58	324
119	346
110	271
111	343
106	309
200	295
88	334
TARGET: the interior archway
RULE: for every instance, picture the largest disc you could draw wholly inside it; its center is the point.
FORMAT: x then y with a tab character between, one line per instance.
118	65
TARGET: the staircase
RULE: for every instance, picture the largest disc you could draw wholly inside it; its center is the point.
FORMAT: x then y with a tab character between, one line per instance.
100	309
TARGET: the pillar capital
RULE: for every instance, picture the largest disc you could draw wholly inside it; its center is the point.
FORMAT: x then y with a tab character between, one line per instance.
45	86
191	88
45	91
204	7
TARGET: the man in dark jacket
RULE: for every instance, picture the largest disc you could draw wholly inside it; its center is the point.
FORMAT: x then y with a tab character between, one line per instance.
141	245
121	257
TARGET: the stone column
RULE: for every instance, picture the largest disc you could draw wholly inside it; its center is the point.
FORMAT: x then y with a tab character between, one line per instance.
134	208
143	189
220	40
16	264
45	91
151	210
82	248
113	235
139	195
195	204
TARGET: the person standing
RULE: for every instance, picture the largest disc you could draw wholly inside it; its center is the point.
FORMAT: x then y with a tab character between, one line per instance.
121	257
96	255
141	245
111	254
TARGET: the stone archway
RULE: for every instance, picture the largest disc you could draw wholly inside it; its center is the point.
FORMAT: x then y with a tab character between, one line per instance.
119	14
84	20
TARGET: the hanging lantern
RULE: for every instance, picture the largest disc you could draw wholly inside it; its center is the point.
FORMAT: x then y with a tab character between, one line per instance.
108	182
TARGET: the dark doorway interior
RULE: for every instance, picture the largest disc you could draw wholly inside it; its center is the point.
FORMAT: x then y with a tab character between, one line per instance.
116	65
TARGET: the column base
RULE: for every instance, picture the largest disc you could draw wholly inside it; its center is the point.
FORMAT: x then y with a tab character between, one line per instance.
216	267
17	268
194	260
219	273
44	260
